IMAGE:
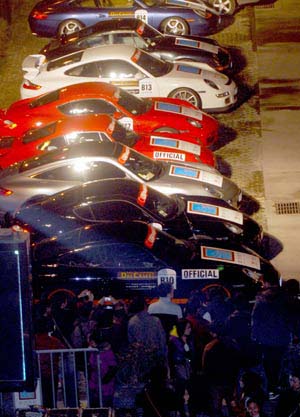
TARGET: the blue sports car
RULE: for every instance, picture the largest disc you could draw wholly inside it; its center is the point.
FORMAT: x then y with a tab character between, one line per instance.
50	18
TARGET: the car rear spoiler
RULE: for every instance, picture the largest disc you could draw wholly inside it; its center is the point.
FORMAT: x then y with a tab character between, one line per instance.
32	63
198	5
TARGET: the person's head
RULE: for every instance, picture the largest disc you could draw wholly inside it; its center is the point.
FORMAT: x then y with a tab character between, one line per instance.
119	311
294	380
137	305
216	329
271	279
291	286
253	407
165	289
183	327
250	381
98	338
195	302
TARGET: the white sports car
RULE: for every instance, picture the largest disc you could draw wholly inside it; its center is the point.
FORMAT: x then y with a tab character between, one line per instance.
134	70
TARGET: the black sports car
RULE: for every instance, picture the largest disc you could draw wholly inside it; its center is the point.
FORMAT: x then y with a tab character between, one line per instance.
135	32
123	258
125	199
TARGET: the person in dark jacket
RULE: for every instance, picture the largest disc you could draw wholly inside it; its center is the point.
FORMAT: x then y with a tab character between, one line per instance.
221	365
271	328
289	399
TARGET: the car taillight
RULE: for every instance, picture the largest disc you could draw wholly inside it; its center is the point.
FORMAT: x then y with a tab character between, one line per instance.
39	15
5	192
30	86
6	142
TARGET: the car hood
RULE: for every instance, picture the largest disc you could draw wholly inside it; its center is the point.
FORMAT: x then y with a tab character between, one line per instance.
162	109
186	44
194	72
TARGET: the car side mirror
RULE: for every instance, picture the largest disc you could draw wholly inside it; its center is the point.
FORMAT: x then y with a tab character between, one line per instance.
117	115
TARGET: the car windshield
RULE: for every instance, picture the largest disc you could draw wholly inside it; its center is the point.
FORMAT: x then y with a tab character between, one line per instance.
162	206
148	32
152	65
134	104
140	165
127	137
36	134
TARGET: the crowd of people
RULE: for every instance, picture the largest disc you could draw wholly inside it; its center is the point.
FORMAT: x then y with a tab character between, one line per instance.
215	356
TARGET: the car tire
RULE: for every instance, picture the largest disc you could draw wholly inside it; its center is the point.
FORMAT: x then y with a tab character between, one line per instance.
69	26
225	7
187	94
175	26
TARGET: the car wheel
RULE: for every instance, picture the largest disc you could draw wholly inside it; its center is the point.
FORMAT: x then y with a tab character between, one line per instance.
69	26
188	95
224	6
175	26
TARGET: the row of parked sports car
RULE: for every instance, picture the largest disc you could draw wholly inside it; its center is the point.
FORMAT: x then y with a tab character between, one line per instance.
107	162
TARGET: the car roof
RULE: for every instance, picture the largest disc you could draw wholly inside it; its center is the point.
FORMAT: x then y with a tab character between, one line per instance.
94	122
78	89
108	51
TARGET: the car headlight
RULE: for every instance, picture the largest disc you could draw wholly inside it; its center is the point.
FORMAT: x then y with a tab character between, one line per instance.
195	123
211	84
225	94
234	228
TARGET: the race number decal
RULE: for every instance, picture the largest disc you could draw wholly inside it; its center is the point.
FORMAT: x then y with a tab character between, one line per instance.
167	275
126	122
230	256
141	14
146	88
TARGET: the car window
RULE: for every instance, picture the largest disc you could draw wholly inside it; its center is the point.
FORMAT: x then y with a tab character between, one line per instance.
45	99
117	210
118	3
153	65
118	69
86	3
89	70
126	255
65	60
82	170
73	138
129	39
64	173
87	106
36	134
95	40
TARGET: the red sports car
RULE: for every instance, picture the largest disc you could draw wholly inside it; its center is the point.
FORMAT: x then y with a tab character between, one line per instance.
99	128
143	115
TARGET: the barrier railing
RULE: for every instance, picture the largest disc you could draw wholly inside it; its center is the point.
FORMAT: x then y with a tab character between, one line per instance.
64	378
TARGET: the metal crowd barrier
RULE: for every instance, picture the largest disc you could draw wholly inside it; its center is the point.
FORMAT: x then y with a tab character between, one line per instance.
64	374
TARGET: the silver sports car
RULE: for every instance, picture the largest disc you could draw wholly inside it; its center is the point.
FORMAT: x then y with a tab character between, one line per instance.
61	169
